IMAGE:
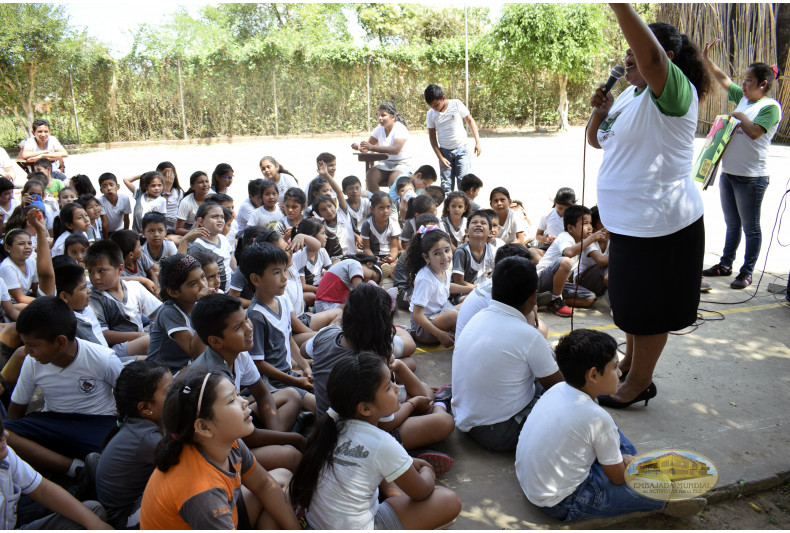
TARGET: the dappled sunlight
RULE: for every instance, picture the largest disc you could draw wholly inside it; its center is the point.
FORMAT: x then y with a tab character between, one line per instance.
489	515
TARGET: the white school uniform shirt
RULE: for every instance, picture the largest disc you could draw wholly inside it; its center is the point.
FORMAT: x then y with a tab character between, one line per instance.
475	301
15	278
172	202
449	124
286	182
361	213
564	240
430	292
491	390
281	322
561	438
399	131
168	248
88	317
115	213
332	192
347	497
187	210
344	229
317	266
294	290
84	387
380	241
513	225
551	223
244	213
222	250
746	156
16	478
145	205
466	264
53	144
266	219
139	301
586	260
12	205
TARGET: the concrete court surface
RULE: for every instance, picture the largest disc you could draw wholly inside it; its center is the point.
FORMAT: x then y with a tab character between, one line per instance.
722	390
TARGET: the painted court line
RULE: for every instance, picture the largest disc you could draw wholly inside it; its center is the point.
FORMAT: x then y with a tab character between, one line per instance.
612	326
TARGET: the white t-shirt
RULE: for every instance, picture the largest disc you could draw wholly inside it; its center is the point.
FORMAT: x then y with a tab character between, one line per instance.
563	241
475	301
139	301
187	210
83	387
16	478
561	438
11	206
168	248
551	223
379	241
172	202
430	292
115	213
347	497
17	279
746	156
361	213
223	251
6	162
449	125
53	144
344	230
146	205
286	182
86	319
316	267
645	187
466	264
587	261
294	290
492	389
513	225
399	131
266	219
281	322
244	213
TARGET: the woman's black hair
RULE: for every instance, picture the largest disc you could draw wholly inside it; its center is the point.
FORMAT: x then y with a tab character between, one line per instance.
367	320
66	216
452	196
245	239
389	108
167	164
314	187
136	383
764	73
500	190
420	244
686	56
320	200
82	185
377	197
308	226
172	275
282	169
354	380
8	239
181	411
192	179
221	169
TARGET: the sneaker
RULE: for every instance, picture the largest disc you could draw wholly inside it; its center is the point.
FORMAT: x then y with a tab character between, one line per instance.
558	307
704	286
741	281
440	462
544	298
717	270
445	392
386	270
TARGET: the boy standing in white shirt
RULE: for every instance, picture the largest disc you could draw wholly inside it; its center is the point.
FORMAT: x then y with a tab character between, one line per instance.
445	121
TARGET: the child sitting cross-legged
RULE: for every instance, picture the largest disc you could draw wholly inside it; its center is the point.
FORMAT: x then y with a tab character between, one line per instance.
123	307
571	456
76	378
127	460
560	259
275	349
136	265
357	476
202	464
222	325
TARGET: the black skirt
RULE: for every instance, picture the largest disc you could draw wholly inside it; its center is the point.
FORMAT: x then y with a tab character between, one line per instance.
654	282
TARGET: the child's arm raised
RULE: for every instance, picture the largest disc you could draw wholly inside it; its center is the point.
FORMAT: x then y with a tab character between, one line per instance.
341	198
56	499
44	269
129	182
271	496
312	244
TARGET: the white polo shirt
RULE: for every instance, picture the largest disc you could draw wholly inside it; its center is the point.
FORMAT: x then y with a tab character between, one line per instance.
495	363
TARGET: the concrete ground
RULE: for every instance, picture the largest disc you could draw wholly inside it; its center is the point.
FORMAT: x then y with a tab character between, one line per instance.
722	388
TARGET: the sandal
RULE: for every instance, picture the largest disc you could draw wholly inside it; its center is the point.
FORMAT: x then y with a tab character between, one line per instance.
717	270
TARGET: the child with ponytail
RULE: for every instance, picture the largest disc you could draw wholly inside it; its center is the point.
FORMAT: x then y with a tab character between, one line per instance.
206	477
348	457
430	263
127	460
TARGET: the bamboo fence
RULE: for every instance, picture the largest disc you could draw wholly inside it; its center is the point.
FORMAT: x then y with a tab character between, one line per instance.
748	34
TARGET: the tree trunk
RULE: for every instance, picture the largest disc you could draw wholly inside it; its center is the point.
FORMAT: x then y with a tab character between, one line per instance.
782	33
563	107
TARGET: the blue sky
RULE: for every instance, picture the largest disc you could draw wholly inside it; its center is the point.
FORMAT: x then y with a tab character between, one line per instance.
112	22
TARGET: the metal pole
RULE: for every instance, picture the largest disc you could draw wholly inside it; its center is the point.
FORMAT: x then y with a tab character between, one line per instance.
368	65
466	56
74	105
274	84
181	96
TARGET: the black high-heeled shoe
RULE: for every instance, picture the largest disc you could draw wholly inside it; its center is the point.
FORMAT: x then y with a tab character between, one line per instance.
605	400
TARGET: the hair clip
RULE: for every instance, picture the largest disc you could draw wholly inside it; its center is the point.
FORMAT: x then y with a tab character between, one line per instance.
334	415
174	436
775	68
425	229
186	390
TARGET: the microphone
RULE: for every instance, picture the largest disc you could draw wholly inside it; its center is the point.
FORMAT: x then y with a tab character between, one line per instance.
615	74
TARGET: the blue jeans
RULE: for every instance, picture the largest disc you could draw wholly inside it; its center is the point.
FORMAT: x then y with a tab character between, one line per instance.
741	198
597	496
460	163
